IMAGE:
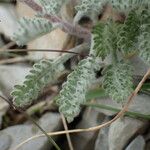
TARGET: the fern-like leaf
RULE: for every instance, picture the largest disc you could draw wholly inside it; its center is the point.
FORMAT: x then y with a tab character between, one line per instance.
104	39
126	6
52	6
144	43
128	35
74	89
90	5
44	72
29	29
118	81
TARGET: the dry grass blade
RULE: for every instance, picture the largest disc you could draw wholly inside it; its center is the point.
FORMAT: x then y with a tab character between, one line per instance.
67	134
120	114
37	50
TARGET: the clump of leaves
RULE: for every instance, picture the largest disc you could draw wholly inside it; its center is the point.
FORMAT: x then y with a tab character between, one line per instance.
109	39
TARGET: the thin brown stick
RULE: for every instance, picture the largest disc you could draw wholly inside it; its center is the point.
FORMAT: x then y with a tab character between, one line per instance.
120	114
32	4
38	50
67	134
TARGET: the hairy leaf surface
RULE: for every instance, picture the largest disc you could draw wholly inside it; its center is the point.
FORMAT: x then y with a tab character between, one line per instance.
128	35
74	89
144	43
29	29
43	73
118	81
91	5
104	39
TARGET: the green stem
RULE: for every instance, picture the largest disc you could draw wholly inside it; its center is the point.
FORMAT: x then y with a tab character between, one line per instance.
128	113
114	57
96	93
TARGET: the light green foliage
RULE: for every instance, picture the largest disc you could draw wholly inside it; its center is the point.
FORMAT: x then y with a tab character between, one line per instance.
91	5
118	81
126	6
144	43
44	72
51	6
128	36
105	38
29	29
74	89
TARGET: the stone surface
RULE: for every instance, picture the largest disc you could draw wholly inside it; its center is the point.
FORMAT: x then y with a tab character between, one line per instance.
140	104
5	141
137	144
11	75
8	17
140	68
102	139
49	122
55	40
86	141
121	131
24	11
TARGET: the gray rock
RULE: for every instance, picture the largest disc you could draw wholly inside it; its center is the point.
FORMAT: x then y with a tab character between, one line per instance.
121	131
140	68
102	139
8	17
11	75
5	141
141	104
86	141
49	122
137	144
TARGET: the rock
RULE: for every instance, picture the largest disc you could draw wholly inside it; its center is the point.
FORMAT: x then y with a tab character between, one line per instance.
55	40
140	104
90	118
5	141
3	108
11	75
137	144
121	131
140	68
49	122
102	139
24	11
8	18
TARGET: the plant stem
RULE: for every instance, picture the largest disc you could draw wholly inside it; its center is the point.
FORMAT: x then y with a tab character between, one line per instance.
128	113
114	57
96	93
